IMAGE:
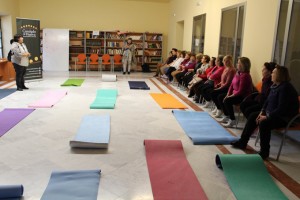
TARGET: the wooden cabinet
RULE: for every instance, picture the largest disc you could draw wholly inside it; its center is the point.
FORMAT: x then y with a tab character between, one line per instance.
7	72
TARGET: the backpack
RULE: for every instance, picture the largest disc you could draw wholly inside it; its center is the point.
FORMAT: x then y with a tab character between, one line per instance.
145	68
9	55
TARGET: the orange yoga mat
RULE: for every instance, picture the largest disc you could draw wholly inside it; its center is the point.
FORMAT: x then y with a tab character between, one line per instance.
167	101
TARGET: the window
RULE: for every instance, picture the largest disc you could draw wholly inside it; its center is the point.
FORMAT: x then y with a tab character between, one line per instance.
232	31
198	34
287	42
1	44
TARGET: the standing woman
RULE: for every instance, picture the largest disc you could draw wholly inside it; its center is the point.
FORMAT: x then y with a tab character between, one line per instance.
20	60
128	54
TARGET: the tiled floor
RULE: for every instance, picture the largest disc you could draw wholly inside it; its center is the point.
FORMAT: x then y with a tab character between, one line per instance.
40	143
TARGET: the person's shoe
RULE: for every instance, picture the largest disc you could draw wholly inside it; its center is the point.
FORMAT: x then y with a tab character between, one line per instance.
190	96
25	88
218	113
224	119
230	123
239	144
207	104
124	73
19	89
263	155
128	73
214	112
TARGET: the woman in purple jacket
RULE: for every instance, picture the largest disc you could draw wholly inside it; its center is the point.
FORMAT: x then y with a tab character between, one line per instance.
241	86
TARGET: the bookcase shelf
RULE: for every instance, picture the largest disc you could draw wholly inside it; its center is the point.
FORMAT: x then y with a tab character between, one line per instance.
148	45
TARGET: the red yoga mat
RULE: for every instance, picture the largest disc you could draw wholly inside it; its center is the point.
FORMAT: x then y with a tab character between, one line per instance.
171	175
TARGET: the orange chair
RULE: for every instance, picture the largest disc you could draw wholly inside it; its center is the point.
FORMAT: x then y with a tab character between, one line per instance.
259	86
94	60
80	60
117	61
106	61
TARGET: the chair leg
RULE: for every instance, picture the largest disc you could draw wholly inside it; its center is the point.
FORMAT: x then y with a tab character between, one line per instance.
281	145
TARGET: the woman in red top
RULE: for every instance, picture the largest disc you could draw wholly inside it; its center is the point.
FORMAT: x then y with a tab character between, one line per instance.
240	87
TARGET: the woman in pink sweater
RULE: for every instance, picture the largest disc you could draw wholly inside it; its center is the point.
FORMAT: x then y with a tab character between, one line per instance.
240	87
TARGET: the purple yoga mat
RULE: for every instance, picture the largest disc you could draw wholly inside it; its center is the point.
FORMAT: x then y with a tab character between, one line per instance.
11	117
49	99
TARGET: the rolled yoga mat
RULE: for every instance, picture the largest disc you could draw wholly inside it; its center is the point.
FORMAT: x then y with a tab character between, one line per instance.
10	117
202	128
73	82
105	99
142	85
73	185
170	173
109	77
11	192
167	101
49	99
248	177
6	92
93	132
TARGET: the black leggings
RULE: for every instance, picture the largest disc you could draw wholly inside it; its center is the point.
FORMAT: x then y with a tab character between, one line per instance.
20	73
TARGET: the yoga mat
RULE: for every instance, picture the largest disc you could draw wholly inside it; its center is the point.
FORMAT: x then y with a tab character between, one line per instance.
49	99
142	85
6	92
105	99
93	132
109	77
170	173
10	117
73	82
167	101
73	185
248	177
202	128
11	192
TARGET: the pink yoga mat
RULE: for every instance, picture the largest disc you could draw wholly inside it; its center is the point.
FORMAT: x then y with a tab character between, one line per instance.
49	99
11	117
170	173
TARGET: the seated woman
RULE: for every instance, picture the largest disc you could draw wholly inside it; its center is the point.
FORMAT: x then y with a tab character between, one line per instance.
184	62
214	78
170	59
198	73
240	87
255	104
221	89
281	105
175	65
189	76
188	67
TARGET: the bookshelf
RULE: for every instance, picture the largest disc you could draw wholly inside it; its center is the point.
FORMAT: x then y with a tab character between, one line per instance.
148	45
153	49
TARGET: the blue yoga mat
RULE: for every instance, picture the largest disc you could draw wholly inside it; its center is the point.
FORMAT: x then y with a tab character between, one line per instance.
6	92
105	99
202	128
93	132
11	192
73	185
142	85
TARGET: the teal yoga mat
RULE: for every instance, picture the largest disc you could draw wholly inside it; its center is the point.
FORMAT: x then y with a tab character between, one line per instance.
105	99
73	82
73	185
248	177
202	128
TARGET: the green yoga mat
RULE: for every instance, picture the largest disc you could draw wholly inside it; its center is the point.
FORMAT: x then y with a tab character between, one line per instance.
105	99
73	82
248	177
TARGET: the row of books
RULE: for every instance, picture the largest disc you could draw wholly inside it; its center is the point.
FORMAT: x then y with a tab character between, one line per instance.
135	37
155	37
96	51
115	44
75	34
94	43
114	36
90	35
114	51
153	45
76	50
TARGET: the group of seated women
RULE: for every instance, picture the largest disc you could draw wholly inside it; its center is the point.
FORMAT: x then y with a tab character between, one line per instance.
215	81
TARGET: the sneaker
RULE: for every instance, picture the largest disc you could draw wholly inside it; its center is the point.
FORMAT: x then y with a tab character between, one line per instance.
263	155
218	113
164	76
238	144
230	123
214	111
207	104
224	119
124	73
128	73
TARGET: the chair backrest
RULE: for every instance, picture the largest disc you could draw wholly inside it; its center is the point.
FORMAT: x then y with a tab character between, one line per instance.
94	57
259	86
81	57
106	58
117	58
